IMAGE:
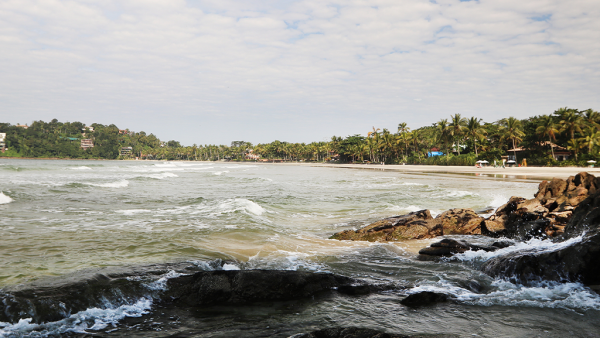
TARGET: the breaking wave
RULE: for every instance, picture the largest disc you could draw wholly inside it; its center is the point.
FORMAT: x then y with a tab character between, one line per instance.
118	184
4	199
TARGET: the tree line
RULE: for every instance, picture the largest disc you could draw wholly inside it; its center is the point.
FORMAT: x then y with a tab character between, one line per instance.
461	140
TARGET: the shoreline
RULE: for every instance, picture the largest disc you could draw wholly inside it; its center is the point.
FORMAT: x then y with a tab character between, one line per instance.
537	173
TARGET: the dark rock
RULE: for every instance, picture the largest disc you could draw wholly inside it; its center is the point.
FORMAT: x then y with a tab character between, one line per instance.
424	298
503	244
245	286
448	247
351	332
577	262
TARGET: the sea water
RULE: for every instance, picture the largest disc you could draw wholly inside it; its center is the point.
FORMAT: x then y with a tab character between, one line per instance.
63	218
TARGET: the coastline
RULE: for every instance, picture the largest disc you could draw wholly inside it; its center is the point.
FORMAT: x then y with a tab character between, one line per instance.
536	173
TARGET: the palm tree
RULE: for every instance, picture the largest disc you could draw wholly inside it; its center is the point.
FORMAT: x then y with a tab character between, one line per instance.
591	138
402	131
570	121
474	131
443	133
574	145
512	130
457	126
592	118
548	128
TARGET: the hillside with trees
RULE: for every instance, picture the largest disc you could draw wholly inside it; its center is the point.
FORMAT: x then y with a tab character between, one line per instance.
565	137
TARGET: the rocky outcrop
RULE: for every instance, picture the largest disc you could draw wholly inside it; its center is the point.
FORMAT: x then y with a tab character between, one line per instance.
417	225
576	255
547	214
350	332
246	286
579	262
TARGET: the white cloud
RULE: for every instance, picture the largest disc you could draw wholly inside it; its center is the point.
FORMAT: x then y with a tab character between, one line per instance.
216	71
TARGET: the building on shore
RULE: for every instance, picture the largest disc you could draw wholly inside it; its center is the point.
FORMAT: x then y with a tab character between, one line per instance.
24	126
126	151
3	142
87	143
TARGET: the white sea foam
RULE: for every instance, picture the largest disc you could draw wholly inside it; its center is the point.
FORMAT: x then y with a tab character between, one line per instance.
81	168
574	296
133	211
536	245
4	199
162	175
241	204
229	266
460	193
118	184
219	173
90	319
161	283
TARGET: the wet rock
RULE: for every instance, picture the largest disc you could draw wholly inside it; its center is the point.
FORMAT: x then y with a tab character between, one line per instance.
350	332
246	286
448	247
417	225
577	262
424	298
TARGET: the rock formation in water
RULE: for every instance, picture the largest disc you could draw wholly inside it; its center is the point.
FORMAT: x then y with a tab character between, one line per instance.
246	286
350	332
424	298
417	225
578	259
545	215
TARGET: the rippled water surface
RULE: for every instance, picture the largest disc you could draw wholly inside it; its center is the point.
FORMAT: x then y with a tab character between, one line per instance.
62	217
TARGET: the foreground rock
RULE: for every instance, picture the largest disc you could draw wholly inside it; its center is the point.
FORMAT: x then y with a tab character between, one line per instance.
576	256
417	225
547	214
351	332
246	286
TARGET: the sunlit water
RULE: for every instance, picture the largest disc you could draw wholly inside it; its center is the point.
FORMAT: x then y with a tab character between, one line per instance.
61	217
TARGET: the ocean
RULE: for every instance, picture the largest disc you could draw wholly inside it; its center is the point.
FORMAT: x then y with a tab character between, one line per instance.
150	221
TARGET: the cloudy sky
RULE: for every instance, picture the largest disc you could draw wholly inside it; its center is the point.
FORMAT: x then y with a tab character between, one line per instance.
215	71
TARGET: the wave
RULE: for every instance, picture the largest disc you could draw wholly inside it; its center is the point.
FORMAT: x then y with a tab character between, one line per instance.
81	168
535	245
4	199
118	184
133	211
570	296
161	175
241	204
218	173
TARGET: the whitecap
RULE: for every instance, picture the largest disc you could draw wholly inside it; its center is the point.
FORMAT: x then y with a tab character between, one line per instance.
241	204
161	175
460	193
90	319
573	296
534	245
133	211
118	184
229	267
81	168
219	173
4	199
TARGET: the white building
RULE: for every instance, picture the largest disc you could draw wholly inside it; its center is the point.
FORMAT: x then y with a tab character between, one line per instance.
2	141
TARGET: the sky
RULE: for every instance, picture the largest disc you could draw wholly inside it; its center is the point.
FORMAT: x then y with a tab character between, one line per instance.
216	71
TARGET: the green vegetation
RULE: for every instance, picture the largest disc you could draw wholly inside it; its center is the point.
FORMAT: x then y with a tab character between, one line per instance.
564	133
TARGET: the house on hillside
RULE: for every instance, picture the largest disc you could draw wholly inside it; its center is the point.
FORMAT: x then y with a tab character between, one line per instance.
87	143
126	151
2	142
24	126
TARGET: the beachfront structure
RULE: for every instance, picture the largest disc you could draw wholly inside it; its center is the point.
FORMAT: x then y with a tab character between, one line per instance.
434	152
87	143
126	151
2	142
24	126
560	153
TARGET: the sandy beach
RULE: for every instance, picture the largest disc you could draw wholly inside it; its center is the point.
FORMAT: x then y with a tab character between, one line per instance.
536	173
